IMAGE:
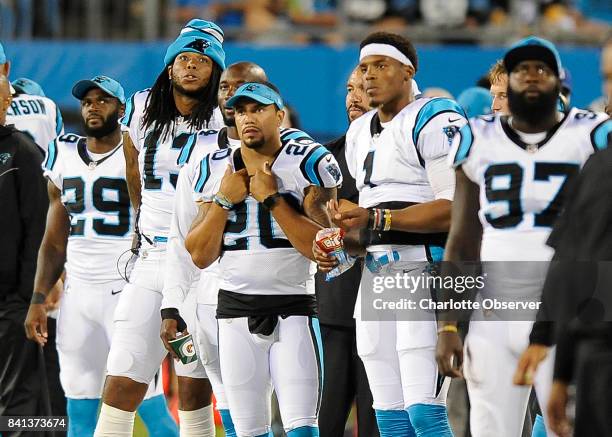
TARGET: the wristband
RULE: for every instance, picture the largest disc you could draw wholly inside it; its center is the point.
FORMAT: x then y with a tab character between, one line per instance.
447	328
223	201
270	201
387	223
38	298
173	313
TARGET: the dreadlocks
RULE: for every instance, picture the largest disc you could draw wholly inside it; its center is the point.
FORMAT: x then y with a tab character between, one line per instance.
160	110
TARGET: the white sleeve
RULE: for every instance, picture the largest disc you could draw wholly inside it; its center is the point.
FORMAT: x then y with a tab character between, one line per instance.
180	273
131	121
441	178
461	154
437	136
52	165
349	149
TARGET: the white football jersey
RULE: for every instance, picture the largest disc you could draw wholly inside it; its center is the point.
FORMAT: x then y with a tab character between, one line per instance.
158	162
389	161
181	273
39	117
95	194
253	241
522	186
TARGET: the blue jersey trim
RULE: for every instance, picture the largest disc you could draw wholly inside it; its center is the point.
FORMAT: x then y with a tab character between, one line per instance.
126	120
204	175
187	150
51	155
466	139
599	136
59	121
310	164
430	110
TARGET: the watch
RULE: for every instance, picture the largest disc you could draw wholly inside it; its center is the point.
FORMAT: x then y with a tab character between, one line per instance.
271	200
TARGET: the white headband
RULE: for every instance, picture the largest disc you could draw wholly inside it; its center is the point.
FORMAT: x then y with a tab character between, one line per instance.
384	50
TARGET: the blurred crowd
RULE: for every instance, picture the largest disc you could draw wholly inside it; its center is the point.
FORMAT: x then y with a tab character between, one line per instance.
300	21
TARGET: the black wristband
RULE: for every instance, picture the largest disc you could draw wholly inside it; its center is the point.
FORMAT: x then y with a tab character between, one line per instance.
38	298
370	218
173	313
270	201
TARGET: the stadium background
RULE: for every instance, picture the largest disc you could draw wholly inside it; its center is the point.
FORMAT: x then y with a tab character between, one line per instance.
307	47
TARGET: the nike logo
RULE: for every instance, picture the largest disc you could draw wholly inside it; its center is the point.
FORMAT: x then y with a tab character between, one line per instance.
113	292
452	121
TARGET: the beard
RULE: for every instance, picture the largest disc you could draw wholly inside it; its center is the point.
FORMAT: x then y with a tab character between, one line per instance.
255	144
194	94
228	121
109	124
532	110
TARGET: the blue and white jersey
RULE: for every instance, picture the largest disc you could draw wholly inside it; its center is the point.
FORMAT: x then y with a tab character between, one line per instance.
253	239
38	117
390	161
523	186
95	194
159	163
181	273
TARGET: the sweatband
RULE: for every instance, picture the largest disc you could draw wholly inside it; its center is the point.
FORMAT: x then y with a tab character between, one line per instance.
376	49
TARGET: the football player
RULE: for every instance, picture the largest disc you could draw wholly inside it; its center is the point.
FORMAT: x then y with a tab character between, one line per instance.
30	111
158	124
512	174
261	205
397	155
181	273
89	228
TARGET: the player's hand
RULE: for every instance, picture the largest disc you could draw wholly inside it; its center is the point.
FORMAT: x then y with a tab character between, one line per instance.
557	403
235	185
263	183
449	354
36	323
528	364
354	218
168	331
325	261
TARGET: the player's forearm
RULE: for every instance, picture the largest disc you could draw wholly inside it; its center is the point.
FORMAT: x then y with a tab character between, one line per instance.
299	229
460	248
50	266
132	174
134	186
204	240
434	216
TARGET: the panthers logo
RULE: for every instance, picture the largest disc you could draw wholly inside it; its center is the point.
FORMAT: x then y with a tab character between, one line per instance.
199	45
252	87
4	157
450	132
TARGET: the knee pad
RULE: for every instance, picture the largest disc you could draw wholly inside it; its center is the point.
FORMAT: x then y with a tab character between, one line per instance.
429	420
82	414
394	423
304	431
